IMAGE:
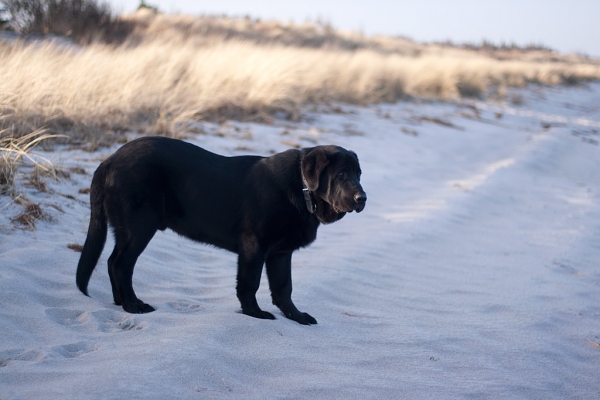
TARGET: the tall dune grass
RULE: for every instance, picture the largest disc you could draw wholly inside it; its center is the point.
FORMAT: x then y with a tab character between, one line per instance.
162	83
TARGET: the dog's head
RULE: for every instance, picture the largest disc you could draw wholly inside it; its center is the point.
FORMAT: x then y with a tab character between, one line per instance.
332	174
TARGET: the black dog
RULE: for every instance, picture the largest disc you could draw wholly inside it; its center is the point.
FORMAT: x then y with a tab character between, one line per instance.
259	208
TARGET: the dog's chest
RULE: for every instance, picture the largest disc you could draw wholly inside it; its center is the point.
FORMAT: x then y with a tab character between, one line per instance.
294	236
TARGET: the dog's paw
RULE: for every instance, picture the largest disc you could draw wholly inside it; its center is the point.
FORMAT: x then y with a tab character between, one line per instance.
302	318
139	307
259	314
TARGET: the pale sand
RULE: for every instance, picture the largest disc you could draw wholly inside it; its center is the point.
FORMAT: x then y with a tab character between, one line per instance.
472	273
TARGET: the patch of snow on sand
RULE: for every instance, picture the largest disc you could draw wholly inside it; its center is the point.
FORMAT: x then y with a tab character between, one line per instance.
472	272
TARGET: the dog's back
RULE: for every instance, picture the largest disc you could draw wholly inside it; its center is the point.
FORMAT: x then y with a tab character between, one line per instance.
194	192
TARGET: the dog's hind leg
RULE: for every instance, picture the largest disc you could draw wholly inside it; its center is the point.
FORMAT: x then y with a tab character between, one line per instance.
111	262
130	242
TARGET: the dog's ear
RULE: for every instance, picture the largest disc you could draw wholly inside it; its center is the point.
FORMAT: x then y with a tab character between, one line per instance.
312	165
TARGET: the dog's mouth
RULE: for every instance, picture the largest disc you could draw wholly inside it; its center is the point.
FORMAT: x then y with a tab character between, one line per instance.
358	204
338	210
358	208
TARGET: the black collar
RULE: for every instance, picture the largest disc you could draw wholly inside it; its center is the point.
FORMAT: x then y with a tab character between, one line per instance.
312	207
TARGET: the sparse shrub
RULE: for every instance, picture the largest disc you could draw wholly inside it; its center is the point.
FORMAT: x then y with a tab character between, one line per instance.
82	20
146	6
4	18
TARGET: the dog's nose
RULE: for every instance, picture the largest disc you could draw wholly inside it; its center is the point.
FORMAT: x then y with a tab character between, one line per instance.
360	198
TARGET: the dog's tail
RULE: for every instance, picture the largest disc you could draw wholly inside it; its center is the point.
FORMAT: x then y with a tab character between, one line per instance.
96	236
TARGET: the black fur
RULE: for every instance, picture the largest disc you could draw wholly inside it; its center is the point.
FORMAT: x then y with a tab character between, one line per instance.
253	206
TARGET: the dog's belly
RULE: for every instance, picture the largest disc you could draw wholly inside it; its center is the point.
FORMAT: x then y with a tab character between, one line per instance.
219	233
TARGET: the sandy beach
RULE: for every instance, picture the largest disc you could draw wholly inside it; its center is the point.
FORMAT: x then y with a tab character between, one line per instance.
472	272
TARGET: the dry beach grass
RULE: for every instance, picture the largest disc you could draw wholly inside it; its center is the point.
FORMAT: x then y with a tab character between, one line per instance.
175	69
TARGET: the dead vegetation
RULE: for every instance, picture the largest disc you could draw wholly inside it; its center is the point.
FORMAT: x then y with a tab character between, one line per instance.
75	247
14	150
7	174
31	214
439	121
596	345
172	70
14	154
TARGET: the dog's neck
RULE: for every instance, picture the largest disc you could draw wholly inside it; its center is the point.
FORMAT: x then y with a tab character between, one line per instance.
310	204
317	206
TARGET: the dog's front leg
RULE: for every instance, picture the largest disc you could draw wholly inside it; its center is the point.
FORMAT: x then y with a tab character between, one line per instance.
279	272
250	265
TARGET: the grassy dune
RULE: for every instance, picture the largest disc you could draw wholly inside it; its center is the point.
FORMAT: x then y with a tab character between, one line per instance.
175	69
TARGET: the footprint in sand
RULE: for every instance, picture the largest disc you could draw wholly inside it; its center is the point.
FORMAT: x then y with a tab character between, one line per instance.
74	349
7	357
113	321
184	306
68	317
